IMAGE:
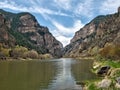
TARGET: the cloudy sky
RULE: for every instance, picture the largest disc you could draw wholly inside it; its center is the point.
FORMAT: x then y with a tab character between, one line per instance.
62	17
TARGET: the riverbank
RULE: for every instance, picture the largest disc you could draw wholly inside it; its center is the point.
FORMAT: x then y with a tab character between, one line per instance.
85	58
110	80
41	57
17	59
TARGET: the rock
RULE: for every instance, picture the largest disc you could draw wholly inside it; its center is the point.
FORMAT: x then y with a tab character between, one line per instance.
115	73
80	83
118	80
2	20
117	85
105	83
119	10
5	38
98	32
103	70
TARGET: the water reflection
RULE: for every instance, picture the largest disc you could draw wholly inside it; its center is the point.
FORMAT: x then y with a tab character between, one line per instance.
25	75
82	70
56	74
64	79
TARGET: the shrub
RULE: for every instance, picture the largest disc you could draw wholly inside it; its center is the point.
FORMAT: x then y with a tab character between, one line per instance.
31	54
110	51
4	52
94	51
45	56
18	52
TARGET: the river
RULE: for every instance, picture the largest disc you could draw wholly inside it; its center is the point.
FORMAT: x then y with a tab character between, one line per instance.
54	74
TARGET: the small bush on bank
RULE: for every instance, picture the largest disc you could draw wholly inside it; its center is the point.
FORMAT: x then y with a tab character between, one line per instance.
110	51
18	52
31	54
44	56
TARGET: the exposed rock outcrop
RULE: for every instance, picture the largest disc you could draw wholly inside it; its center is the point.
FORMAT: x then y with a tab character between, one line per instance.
94	36
5	38
29	33
119	10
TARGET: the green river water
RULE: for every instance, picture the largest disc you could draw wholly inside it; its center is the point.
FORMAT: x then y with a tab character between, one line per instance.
54	74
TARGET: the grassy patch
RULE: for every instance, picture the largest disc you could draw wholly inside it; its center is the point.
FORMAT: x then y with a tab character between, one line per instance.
113	73
92	86
114	64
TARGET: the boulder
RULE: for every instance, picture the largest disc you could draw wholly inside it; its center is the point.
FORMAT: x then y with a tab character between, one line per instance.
105	83
103	70
118	80
117	85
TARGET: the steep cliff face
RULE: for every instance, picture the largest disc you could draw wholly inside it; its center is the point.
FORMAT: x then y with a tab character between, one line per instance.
95	36
27	32
5	38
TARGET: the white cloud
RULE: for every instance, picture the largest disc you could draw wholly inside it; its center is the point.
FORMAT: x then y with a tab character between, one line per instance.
76	7
67	30
64	40
33	9
85	8
64	34
109	6
64	4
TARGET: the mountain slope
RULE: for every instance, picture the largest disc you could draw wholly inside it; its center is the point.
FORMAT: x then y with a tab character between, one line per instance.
95	36
26	31
5	38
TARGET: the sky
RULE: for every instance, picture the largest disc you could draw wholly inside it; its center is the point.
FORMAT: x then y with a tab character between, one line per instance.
62	17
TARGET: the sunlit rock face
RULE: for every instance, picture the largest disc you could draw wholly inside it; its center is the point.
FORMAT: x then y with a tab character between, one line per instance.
40	35
29	33
95	34
27	24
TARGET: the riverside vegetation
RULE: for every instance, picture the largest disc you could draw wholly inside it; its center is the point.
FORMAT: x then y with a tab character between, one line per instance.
21	53
110	81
